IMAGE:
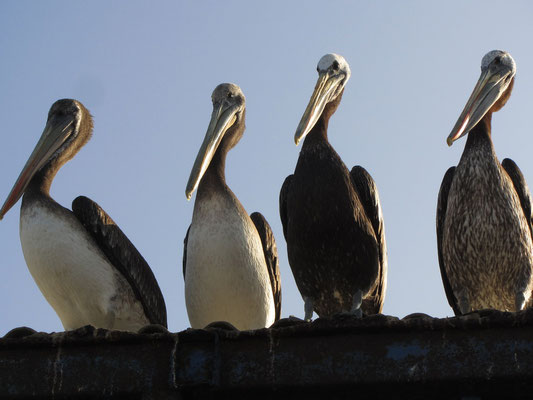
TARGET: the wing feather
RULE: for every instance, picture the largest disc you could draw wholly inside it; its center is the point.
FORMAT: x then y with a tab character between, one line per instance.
283	194
521	188
271	257
368	194
185	241
442	205
124	257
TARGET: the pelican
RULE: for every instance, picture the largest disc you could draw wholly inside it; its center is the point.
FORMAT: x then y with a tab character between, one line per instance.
332	219
230	262
85	267
484	208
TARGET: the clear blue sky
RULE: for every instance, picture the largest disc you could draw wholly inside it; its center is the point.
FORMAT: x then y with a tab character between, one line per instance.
146	71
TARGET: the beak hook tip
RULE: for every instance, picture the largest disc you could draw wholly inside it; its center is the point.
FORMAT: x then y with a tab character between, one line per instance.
297	137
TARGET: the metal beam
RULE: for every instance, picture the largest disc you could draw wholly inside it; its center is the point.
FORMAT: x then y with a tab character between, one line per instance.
484	354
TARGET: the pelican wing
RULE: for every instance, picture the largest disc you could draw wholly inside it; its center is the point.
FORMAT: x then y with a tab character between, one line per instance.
283	194
442	205
124	257
368	194
185	241
521	188
271	257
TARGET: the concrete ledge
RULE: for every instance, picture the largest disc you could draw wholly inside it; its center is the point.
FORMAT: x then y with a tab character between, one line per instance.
487	354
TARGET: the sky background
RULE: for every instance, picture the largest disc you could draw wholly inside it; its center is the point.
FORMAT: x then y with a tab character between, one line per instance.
146	71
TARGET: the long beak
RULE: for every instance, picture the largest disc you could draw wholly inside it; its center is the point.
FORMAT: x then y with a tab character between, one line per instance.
323	93
54	135
487	91
222	118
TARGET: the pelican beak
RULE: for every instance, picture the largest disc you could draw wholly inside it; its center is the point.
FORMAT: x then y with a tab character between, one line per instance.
489	88
56	131
325	90
223	117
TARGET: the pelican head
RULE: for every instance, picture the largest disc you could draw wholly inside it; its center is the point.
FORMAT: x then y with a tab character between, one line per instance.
68	128
228	114
333	73
490	93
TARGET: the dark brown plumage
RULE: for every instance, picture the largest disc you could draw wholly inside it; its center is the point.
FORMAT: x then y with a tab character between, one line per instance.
332	219
271	257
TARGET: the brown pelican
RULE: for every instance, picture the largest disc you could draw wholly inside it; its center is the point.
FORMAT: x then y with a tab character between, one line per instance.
86	268
332	217
230	262
484	207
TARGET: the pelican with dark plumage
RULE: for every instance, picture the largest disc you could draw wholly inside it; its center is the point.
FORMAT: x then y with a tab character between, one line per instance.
85	267
484	227
230	261
332	219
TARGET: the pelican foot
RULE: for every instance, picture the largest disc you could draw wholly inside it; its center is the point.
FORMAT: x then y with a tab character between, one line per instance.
308	308
356	304
520	301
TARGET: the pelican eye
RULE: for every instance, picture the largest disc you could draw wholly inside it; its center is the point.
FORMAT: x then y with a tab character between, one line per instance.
229	95
335	65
